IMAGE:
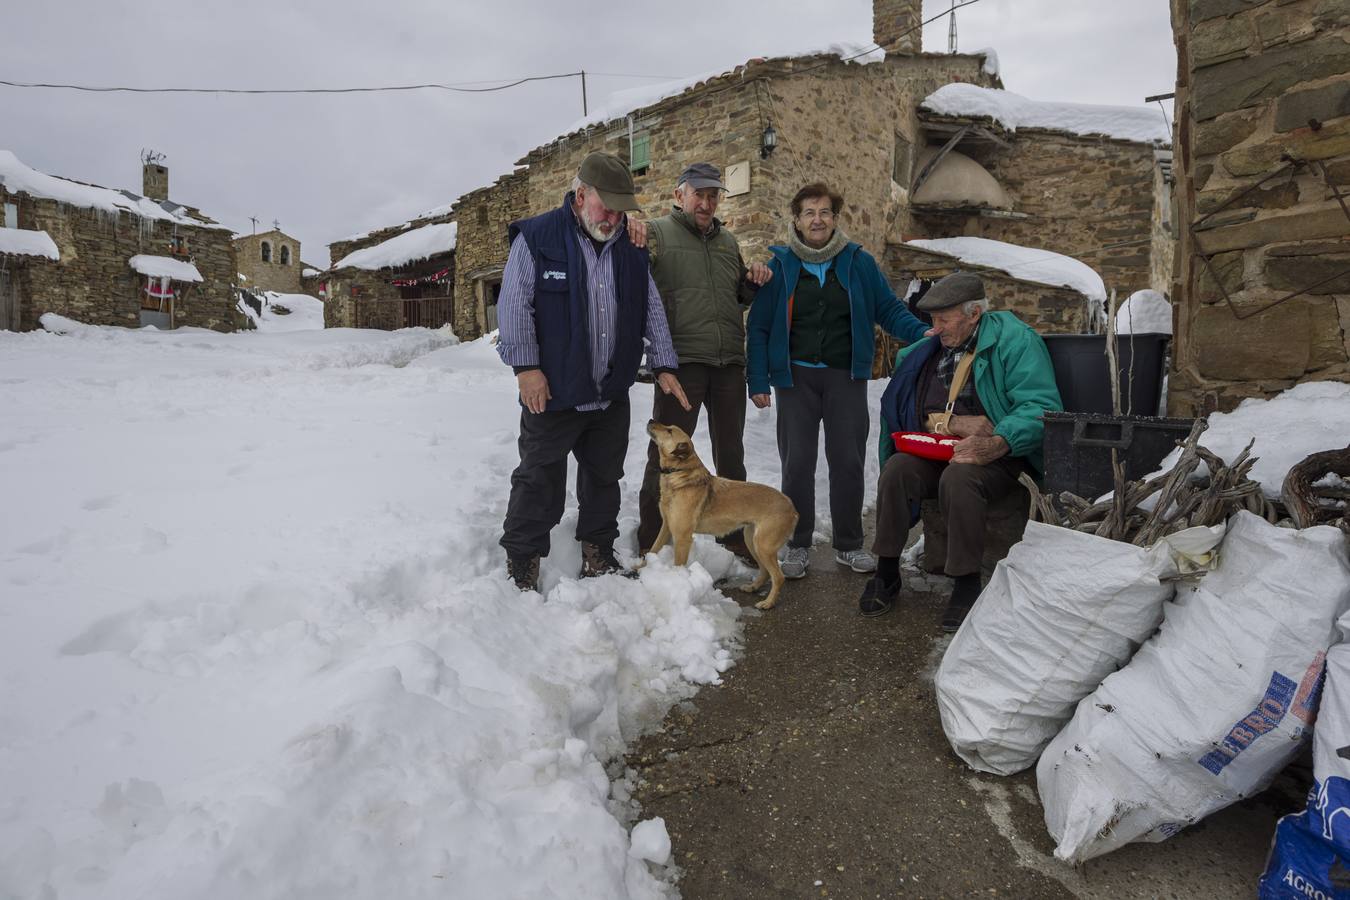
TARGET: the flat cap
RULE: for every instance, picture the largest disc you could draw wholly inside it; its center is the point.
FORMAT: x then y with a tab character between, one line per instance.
955	289
701	175
611	179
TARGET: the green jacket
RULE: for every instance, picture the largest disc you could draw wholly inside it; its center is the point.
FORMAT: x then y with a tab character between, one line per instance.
702	283
1014	379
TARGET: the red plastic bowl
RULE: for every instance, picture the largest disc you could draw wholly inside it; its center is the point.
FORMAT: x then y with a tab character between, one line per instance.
922	443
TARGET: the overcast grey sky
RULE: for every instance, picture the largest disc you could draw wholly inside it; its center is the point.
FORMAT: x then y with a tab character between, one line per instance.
331	166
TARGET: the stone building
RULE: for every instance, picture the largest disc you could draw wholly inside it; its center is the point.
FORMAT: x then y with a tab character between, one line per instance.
120	258
269	261
868	126
397	277
1262	157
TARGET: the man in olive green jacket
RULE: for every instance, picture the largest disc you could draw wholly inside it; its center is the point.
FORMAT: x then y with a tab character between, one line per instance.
705	286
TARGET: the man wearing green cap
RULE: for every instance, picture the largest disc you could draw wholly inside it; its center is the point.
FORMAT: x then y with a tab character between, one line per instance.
576	305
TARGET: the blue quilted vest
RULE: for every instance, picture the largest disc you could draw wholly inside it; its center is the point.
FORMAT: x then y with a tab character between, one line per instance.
561	310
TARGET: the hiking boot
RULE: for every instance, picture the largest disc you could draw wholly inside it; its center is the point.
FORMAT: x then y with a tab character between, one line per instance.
878	597
796	560
735	542
964	594
598	560
524	571
858	560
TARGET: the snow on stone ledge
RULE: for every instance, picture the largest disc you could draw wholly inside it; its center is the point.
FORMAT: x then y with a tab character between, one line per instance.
14	242
1025	263
411	246
165	267
1013	111
621	103
17	177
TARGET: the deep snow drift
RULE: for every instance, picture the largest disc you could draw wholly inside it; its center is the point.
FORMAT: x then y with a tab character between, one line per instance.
256	639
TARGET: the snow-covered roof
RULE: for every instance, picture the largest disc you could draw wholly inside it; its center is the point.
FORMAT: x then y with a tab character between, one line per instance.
16	242
165	267
1013	111
18	177
308	272
411	246
621	103
1024	263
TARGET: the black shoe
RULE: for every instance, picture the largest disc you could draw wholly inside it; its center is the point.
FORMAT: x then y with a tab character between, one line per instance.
964	594
598	560
878	597
524	571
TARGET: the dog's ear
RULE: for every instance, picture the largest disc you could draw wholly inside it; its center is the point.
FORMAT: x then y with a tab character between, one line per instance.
682	450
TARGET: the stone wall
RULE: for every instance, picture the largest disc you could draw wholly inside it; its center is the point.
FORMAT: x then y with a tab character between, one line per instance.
835	121
481	248
1091	198
93	282
1048	309
1263	132
1164	231
273	275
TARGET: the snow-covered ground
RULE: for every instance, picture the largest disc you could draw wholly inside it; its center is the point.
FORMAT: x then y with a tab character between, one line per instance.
302	312
256	638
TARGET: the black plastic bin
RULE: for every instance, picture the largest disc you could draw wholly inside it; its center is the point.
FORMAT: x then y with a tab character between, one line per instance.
1078	448
1085	382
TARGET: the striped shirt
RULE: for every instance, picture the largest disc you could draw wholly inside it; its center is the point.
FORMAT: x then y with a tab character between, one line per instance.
517	344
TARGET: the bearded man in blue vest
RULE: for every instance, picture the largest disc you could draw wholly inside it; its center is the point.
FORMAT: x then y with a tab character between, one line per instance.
577	301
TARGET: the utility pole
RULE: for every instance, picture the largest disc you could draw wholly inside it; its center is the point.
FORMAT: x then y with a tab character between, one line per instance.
584	111
951	31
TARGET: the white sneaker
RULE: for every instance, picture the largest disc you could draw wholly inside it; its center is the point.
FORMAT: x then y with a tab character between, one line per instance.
858	560
795	562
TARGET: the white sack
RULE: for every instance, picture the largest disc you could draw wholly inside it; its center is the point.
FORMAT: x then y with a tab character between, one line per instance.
1213	706
1062	611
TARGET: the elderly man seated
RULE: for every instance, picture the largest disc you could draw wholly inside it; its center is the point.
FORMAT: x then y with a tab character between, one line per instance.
986	378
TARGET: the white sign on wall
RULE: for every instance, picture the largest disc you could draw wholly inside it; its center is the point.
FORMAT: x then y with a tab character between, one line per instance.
738	178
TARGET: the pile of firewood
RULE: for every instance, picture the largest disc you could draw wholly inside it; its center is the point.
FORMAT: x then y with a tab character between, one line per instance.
1180	502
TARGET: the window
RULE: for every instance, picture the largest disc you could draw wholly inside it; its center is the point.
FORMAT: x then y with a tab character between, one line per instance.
285	255
11	215
482	215
900	161
266	252
178	245
640	154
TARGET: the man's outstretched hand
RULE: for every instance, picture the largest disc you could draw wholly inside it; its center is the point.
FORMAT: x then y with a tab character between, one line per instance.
669	384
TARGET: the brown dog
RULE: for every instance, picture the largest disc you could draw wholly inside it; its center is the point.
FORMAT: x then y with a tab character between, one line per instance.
694	501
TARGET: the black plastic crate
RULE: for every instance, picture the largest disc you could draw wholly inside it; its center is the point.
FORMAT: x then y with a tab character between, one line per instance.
1078	448
1085	381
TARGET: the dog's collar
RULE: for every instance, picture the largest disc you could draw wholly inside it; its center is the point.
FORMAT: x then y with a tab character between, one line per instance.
665	471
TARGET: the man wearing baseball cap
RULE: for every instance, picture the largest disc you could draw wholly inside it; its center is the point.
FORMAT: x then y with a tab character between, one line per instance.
577	301
705	286
986	378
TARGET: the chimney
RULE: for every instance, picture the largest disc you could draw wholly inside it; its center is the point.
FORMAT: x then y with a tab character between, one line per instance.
155	181
895	25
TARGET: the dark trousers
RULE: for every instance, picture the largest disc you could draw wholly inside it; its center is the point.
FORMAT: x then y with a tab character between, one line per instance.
963	492
830	397
722	390
598	439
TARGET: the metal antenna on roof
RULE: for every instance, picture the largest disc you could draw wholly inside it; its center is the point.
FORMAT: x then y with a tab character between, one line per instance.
254	220
150	156
951	31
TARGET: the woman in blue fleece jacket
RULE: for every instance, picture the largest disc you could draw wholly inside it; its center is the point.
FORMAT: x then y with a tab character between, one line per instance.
810	338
